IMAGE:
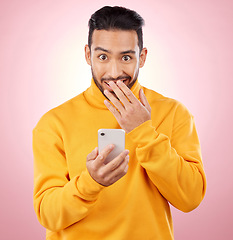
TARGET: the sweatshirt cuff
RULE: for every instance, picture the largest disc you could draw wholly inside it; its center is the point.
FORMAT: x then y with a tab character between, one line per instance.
143	134
88	187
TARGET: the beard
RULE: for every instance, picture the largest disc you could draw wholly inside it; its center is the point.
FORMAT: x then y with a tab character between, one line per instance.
129	85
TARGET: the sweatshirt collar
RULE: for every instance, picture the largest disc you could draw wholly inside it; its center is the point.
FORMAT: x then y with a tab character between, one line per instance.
95	97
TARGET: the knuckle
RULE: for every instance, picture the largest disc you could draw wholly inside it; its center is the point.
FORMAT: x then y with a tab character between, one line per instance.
89	156
127	92
107	180
126	116
125	171
115	111
101	174
123	155
90	168
122	168
130	110
114	101
114	165
137	104
108	150
122	121
94	168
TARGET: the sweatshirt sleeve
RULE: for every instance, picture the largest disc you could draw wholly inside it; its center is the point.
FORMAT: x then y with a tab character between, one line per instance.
59	201
174	165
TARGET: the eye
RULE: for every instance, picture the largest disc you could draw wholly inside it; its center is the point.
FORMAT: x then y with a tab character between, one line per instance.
126	58
103	57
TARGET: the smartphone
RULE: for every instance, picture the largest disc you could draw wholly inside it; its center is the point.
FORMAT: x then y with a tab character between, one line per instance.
111	136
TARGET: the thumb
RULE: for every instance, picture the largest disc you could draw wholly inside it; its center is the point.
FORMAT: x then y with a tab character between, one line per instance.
144	101
92	156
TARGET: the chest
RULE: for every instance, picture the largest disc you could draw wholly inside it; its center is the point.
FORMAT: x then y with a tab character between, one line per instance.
80	136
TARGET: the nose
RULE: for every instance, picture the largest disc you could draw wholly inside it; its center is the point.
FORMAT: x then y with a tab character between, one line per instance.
115	69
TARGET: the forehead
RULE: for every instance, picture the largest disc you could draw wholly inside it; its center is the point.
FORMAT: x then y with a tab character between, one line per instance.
115	40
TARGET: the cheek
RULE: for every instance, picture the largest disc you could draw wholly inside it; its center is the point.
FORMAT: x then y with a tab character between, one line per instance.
98	69
132	70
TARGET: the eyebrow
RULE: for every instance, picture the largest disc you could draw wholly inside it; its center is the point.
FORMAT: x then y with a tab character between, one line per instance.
107	51
128	51
102	49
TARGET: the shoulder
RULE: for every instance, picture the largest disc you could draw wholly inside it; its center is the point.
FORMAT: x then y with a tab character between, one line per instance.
63	112
162	103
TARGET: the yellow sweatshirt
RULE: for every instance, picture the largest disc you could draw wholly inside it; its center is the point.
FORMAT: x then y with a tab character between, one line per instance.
165	167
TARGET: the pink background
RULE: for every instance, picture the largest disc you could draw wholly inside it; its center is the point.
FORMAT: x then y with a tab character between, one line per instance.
42	65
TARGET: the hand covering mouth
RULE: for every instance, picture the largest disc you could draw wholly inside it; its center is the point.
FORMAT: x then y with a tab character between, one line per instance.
123	80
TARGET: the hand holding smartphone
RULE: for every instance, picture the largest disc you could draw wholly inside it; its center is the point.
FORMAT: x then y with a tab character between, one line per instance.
111	136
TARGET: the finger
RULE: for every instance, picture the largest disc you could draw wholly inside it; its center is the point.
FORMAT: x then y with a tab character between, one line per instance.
99	161
116	162
128	93
144	100
120	171
112	109
122	164
121	96
92	155
114	100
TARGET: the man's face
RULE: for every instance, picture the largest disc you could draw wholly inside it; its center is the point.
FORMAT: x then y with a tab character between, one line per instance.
114	55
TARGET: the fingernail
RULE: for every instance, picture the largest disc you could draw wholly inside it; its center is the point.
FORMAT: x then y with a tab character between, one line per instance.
127	157
111	146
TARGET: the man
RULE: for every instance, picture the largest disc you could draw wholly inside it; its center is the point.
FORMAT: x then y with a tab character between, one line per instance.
77	195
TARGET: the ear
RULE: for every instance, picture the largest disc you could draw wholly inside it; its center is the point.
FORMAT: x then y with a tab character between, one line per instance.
87	54
142	57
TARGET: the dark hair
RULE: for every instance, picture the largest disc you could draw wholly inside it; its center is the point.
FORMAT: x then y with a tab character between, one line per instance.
116	18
